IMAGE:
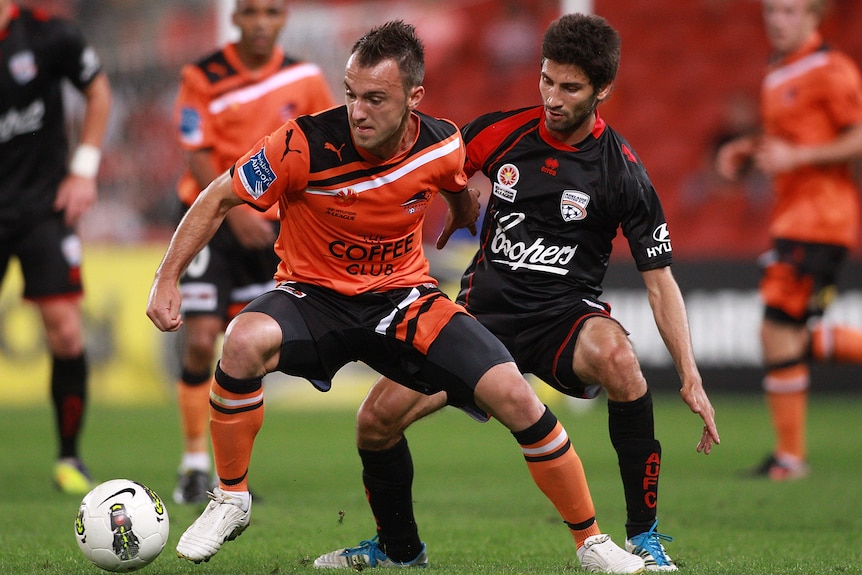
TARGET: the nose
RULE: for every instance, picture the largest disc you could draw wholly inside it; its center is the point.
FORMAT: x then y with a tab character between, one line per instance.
357	110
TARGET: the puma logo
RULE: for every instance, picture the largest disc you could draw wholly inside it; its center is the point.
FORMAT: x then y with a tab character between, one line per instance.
332	148
287	149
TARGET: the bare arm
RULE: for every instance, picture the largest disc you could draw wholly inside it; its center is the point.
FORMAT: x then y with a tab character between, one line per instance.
668	309
252	230
775	156
77	192
196	229
463	212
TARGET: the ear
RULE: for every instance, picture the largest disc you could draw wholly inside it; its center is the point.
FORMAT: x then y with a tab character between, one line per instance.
414	97
605	92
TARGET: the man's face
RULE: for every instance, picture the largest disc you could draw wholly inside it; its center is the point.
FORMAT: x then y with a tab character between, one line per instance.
789	23
570	100
4	13
259	22
378	105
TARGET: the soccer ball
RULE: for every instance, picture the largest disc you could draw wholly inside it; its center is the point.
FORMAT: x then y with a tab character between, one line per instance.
121	525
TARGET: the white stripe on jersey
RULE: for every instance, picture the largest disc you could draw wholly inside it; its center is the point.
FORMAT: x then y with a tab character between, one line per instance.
422	159
252	93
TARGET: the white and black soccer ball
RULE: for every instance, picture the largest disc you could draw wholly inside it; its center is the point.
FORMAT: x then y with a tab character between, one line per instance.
122	525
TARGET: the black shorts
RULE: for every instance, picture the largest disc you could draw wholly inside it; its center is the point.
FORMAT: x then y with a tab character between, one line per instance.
800	279
50	256
543	343
225	276
415	336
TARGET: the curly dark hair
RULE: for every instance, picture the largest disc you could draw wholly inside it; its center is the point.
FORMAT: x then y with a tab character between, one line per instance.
393	40
585	41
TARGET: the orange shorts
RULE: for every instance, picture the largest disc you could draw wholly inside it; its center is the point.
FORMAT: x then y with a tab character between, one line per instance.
799	279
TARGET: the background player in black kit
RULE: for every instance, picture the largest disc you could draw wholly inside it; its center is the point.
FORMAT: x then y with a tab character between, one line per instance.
42	200
563	183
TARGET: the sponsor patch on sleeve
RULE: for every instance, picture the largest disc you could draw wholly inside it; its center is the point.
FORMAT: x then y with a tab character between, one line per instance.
257	175
190	126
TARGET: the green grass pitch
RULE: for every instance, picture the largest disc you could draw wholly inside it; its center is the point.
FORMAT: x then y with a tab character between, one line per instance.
477	508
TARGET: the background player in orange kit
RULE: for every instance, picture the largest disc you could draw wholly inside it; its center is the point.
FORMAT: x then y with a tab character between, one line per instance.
227	101
43	196
811	103
352	185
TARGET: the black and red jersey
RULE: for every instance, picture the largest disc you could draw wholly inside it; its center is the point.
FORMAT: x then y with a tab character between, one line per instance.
554	211
36	53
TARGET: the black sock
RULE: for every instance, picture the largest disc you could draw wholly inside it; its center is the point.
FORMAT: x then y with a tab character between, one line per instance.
388	479
632	432
69	396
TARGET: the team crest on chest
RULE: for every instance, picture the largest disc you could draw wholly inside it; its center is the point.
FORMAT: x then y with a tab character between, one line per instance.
22	67
573	205
507	177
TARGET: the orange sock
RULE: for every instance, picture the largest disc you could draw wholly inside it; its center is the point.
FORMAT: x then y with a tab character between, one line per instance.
235	419
787	397
836	343
558	472
194	408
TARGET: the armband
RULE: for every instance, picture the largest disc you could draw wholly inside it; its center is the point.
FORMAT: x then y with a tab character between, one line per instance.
85	161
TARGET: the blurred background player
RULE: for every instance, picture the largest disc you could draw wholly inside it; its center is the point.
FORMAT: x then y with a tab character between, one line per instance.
811	104
43	196
227	101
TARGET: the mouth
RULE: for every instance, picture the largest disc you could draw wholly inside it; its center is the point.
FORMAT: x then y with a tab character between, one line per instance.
554	116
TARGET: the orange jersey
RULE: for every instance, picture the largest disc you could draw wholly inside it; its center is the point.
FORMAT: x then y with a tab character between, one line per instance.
225	107
809	98
349	221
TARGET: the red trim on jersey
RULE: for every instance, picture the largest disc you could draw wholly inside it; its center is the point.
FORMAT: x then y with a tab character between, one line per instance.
14	12
597	131
489	138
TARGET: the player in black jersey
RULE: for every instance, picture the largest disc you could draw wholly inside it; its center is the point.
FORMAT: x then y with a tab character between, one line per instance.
43	196
563	183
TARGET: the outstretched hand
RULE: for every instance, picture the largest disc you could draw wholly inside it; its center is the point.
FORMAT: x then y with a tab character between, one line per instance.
696	399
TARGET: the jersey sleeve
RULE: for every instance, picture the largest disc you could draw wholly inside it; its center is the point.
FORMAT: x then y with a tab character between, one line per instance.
843	92
78	61
192	116
456	179
277	165
478	149
643	222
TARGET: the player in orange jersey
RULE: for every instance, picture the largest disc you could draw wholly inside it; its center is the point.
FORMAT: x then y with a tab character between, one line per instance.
353	185
227	101
811	102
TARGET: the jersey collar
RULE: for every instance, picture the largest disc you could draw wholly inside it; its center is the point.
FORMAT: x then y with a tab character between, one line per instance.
597	130
232	56
814	43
